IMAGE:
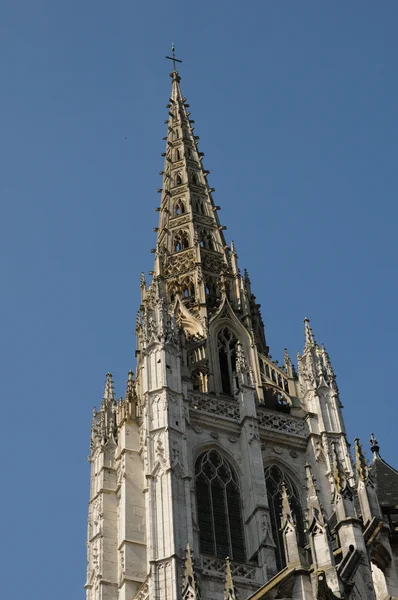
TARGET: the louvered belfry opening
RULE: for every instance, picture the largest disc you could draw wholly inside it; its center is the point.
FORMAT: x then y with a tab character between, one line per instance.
219	508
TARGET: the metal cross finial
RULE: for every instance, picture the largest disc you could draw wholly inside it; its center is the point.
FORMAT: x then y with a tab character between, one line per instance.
173	57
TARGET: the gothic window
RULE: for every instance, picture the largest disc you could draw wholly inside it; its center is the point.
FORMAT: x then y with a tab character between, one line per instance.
179	208
178	179
198	206
227	359
188	289
206	239
274	478
194	178
212	289
180	241
219	507
178	154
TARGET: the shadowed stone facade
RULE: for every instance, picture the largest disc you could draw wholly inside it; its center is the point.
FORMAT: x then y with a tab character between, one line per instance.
222	475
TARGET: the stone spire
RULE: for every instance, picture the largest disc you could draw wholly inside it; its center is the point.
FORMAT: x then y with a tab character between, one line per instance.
288	528
192	258
318	531
315	516
365	487
190	588
185	191
309	336
109	393
230	592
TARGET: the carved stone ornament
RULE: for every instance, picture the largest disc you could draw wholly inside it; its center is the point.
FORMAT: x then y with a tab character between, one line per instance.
277	450
233	439
293	454
180	263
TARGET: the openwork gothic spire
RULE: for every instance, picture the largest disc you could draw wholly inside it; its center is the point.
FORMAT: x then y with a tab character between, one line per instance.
196	268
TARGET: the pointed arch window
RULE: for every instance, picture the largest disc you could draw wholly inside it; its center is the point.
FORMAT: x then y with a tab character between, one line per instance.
178	154
227	342
219	507
194	179
188	289
206	239
180	241
198	206
274	478
178	179
179	208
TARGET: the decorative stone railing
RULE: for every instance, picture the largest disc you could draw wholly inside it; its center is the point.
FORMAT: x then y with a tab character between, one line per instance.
273	374
216	565
215	406
269	419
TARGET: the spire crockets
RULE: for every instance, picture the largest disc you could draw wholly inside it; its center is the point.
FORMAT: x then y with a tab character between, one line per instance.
229	590
196	267
190	588
309	336
360	461
188	220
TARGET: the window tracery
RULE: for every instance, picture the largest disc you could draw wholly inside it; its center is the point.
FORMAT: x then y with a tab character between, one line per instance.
188	288
219	507
274	478
179	208
206	239
226	342
180	240
178	179
198	206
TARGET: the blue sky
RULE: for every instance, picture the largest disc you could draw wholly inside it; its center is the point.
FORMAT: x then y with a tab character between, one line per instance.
295	104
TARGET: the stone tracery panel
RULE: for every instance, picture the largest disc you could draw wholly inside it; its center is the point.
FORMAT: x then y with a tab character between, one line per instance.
216	406
217	565
281	422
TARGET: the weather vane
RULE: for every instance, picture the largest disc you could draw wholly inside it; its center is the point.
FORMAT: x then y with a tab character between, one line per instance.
173	57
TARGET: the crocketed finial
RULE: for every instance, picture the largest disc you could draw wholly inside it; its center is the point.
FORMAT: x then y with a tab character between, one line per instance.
309	336
338	472
360	461
229	590
109	390
190	588
130	387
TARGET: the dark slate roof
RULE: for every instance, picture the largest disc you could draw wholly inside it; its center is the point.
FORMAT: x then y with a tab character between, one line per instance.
386	482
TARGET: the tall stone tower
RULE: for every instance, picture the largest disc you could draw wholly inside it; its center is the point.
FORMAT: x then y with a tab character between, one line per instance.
222	473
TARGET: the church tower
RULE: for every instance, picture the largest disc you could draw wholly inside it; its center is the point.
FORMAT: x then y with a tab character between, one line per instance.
222	474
